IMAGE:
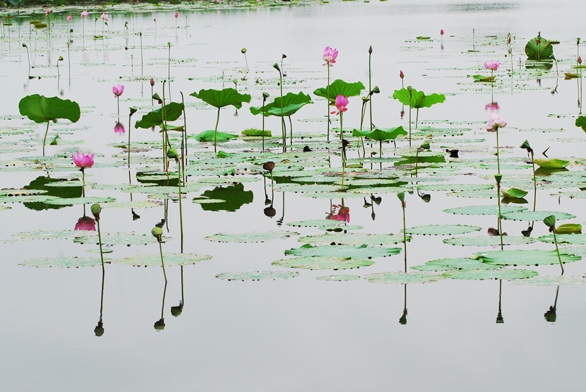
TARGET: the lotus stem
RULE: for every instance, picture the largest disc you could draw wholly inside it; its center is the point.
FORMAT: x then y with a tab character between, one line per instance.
83	181
101	250
534	182
291	132
370	85
141	61
327	99
184	138
118	103
169	68
498	160
165	135
409	122
163	264
343	172
216	132
416	117
272	187
45	139
180	206
283	130
404	234
263	125
557	250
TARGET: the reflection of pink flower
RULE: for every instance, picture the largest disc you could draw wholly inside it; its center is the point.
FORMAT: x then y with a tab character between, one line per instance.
492	65
339	213
119	128
84	14
69	17
330	56
493	107
495	122
82	160
85	223
118	90
341	102
104	16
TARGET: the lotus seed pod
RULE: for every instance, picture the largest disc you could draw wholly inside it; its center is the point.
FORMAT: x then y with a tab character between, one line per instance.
157	231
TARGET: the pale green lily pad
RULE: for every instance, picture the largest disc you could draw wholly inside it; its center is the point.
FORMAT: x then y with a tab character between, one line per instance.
296	188
132	204
442	229
64	262
338	278
52	234
362	251
207	201
170	259
333	195
355	239
21	192
549	280
489	241
28	199
402	277
573	239
524	257
4	208
68	184
453	264
552	163
318	223
484	210
535	215
491	274
80	200
251	237
110	239
257	275
323	263
456	187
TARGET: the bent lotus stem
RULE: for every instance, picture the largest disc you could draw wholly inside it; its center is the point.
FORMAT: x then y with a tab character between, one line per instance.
45	138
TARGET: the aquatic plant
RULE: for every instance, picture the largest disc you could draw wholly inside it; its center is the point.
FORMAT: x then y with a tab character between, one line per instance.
550	222
329	57
494	123
96	210
417	99
118	90
83	161
539	49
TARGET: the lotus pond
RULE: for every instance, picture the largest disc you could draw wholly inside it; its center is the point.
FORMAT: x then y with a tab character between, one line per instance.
407	216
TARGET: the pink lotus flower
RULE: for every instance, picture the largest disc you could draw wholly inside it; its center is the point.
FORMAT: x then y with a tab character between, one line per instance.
118	90
492	65
330	56
85	223
69	17
401	74
104	16
176	14
84	14
48	11
82	160
492	107
441	32
119	128
152	82
495	122
341	103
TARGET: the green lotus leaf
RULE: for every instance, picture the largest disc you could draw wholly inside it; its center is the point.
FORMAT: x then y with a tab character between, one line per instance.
549	280
489	241
257	275
354	239
442	229
402	277
52	234
339	87
535	215
234	197
221	98
514	193
80	200
456	187
539	52
323	263
255	132
453	264
569	228
251	237
41	109
524	257
418	99
319	223
362	251
552	163
64	262
573	239
291	104
208	136
581	122
381	135
482	78
173	111
170	259
491	274
484	210
338	278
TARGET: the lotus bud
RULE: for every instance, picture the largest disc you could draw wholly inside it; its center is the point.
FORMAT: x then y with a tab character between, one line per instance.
276	66
133	110
270	165
24	45
96	209
370	49
578	41
425	145
375	90
169	44
442	32
401	74
243	50
579	60
284	56
60	58
550	221
401	196
152	82
172	153
498	178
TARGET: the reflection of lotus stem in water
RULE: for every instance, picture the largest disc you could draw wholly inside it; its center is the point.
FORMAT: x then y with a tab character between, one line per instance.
45	139
180	206
499	316
498	198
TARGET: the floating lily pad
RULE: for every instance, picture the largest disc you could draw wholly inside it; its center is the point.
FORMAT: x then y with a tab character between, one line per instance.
323	263
209	136
251	237
4	208
442	229
79	200
484	210
132	204
524	257
453	264
257	275
552	163
514	193
171	259
535	215
64	262
549	280
402	277
52	234
355	239
362	251
573	239
319	223
489	241
456	187
110	239
491	274
338	278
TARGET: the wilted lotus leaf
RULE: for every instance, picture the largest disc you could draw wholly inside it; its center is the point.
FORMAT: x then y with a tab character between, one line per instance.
64	262
442	229
354	239
124	238
569	228
535	215
491	274
552	163
402	277
79	200
257	275
483	210
549	280
362	251
524	257
453	264
154	260
514	193
573	239
251	237
489	241
323	263
338	278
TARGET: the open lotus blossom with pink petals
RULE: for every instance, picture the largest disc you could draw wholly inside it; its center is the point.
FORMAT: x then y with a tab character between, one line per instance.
341	103
119	128
495	122
492	65
48	11
104	16
84	14
85	223
118	90
330	56
69	17
82	160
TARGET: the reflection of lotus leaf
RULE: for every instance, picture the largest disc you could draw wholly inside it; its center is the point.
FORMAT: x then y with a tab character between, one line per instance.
453	264
251	237
489	241
64	262
402	277
323	263
354	239
171	259
483	210
535	215
524	257
234	197
257	275
338	278
548	280
442	229
491	274
362	251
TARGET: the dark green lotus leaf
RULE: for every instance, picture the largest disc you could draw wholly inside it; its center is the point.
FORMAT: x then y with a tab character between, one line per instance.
453	264
483	210
208	136
255	132
354	239
123	238
291	104
65	262
442	229
173	111
221	98
402	277
381	135
514	193
539	52
339	87
362	251
524	257
323	263
552	163
573	239
257	275
581	122
489	241
549	281
170	259
418	99
491	274
41	109
234	197
338	278
535	215
251	237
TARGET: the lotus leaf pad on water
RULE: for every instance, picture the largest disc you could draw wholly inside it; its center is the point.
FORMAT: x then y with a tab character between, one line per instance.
489	241
549	280
535	215
319	223
110	239
491	274
132	204
453	264
354	239
257	275
52	234
524	257
64	262
251	237
338	278
573	239
171	259
362	251
323	263
402	277
79	200
442	229
483	210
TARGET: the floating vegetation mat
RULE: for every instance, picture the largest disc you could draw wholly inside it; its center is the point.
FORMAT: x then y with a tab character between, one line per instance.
251	237
257	275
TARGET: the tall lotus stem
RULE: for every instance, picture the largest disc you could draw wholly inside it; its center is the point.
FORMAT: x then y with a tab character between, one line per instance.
28	56
327	99
410	98
96	209
283	130
184	137
498	179
498	160
264	99
83	181
141	58
216	132
45	139
550	222
369	84
165	134
169	67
